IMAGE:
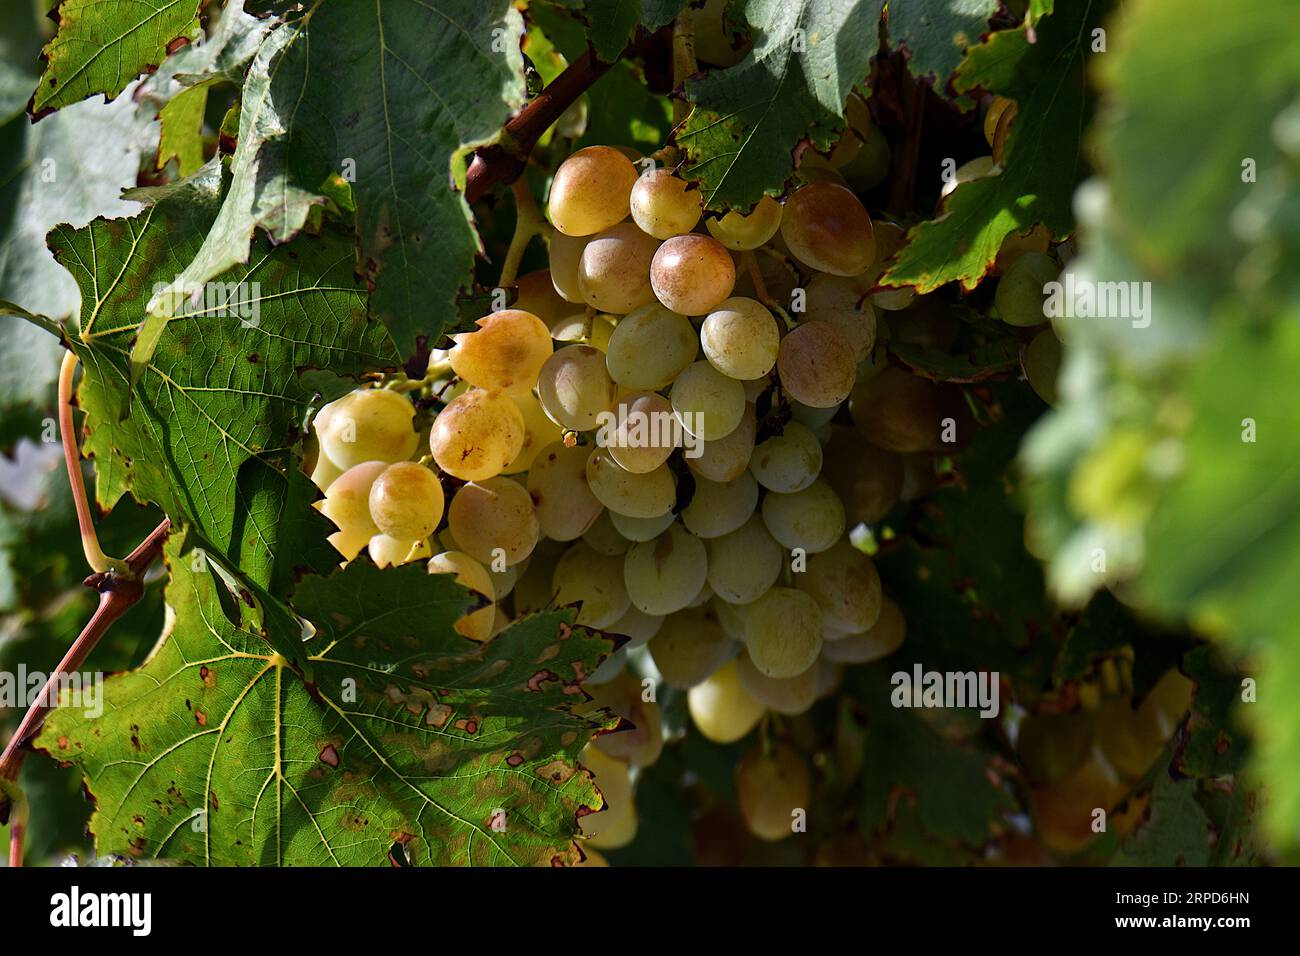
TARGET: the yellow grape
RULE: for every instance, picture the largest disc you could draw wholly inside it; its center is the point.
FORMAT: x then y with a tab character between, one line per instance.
641	529
406	501
788	462
650	347
867	479
614	271
785	695
720	507
826	228
721	708
772	784
692	274
646	495
783	630
726	458
689	647
493	521
846	586
744	564
347	504
880	640
844	303
535	293
504	354
575	388
477	435
662	206
812	519
643	432
386	551
369	424
1041	362
740	338
742	232
476	625
708	404
664	575
539	431
557	483
565	256
590	191
585	576
817	364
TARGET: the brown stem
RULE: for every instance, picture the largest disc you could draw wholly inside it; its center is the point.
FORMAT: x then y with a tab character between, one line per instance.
907	153
504	160
16	830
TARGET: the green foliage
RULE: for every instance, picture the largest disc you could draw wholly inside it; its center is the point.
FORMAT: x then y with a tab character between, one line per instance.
936	35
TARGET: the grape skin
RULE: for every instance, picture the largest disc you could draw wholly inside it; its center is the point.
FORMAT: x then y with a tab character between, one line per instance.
369	424
590	191
689	647
784	695
664	575
726	458
494	519
826	228
740	338
562	500
719	508
650	347
692	274
614	271
817	364
477	435
347	504
504	354
745	563
788	462
770	787
476	625
783	630
406	501
1019	297
662	206
846	586
708	404
812	519
721	708
574	387
646	495
744	232
585	576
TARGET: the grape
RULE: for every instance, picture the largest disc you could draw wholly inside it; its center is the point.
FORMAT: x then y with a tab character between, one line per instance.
575	388
997	106
817	364
689	647
726	458
814	419
692	274
605	538
771	784
387	552
539	431
1041	361
1015	245
641	741
637	626
608	669
785	695
557	483
476	625
901	412
719	508
584	575
1020	298
615	825
740	338
590	191
347	504
1132	739
369	424
639	496
641	433
846	586
477	435
581	329
535	293
721	708
783	630
641	529
565	255
881	640
662	205
715	43
1063	811
504	354
867	479
870	167
842	302
826	228
730	616
493	521
503	582
1050	745
532	591
664	575
614	272
742	232
812	519
406	501
317	464
977	168
650	347
708	404
744	564
788	462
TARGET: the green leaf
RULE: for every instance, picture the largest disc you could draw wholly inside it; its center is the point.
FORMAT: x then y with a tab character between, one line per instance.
182	130
1216	745
100	47
748	119
1041	164
936	35
976	365
410	740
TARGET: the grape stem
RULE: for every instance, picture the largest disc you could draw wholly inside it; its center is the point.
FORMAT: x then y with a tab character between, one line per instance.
16	831
750	263
529	222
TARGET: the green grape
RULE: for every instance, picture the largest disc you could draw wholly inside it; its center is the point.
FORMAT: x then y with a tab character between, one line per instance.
641	433
867	479
387	552
477	435
614	826
641	743
607	670
504	581
889	239
692	274
722	710
650	347
369	424
581	329
476	625
575	388
814	419
689	647
772	783
562	500
880	640
647	495
703	596
715	43
812	519
788	462
826	228
903	413
535	292
708	404
565	255
347	504
1041	361
719	508
977	168
406	501
584	575
664	575
493	521
783	631
614	272
729	615
662	206
504	354
870	167
743	232
590	191
637	626
817	364
605	538
641	529
744	563
726	458
785	695
539	431
846	586
843	302
1020	297
740	339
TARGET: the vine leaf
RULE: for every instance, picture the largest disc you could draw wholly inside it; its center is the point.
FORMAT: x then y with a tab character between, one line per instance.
1041	164
936	35
748	119
408	742
101	48
612	25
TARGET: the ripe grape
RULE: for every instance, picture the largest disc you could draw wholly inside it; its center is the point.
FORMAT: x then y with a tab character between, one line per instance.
584	575
771	785
387	552
641	529
721	708
817	364
846	586
406	501
900	412
565	255
575	388
692	274
689	647
647	495
476	625
783	631
826	228
642	433
1020	297
726	458
637	626
557	483
369	424
493	521
615	825
740	338
843	302
812	519
708	404
539	431
720	507
590	191
347	504
880	640
867	479
744	564
742	232
650	347
664	575
997	106
1041	362
788	462
641	741
583	329
535	293
614	271
785	695
662	205
504	354
477	435
605	538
